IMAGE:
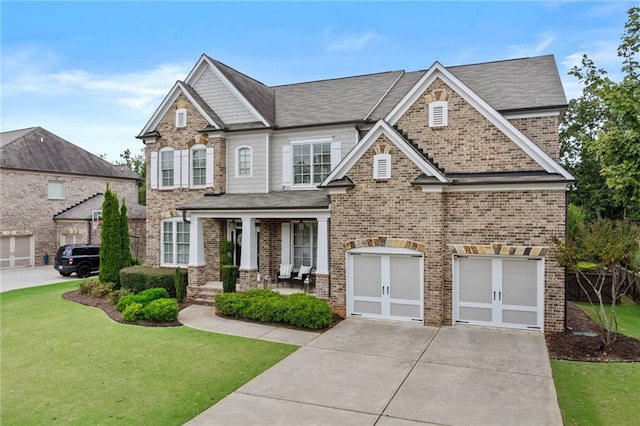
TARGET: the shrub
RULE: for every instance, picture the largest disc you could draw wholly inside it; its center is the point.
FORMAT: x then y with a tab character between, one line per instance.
576	218
165	310
139	278
95	288
181	288
300	310
133	312
587	266
229	275
143	298
226	249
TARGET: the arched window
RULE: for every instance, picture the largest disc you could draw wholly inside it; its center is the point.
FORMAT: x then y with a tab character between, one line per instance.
243	161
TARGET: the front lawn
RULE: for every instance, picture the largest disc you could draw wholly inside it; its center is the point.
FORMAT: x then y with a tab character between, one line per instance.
592	393
71	364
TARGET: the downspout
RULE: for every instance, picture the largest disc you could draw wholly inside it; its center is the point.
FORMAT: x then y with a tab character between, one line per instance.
566	235
184	217
89	231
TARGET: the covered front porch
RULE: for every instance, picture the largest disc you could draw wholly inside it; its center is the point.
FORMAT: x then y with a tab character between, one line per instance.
268	230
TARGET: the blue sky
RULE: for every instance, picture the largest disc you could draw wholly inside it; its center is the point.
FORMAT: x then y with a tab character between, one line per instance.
94	72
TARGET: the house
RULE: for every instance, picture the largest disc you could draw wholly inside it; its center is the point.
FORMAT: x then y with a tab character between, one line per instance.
426	196
51	193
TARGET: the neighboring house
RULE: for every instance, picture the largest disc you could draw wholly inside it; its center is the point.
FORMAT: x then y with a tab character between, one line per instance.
44	180
426	196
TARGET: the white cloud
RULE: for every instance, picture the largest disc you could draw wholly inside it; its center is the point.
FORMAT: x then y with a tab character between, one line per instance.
25	73
347	42
539	47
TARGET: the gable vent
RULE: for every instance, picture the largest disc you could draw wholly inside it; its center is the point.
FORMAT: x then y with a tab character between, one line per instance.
438	114
181	117
382	166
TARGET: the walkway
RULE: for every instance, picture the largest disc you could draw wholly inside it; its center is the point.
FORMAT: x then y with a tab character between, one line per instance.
365	372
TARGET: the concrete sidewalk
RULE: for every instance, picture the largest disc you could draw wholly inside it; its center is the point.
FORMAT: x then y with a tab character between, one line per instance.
365	372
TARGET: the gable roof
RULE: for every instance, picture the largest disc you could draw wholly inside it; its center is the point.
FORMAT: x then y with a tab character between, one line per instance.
83	210
37	149
437	71
511	85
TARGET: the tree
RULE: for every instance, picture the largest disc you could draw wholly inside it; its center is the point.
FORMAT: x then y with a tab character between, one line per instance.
125	251
610	245
138	164
603	126
110	236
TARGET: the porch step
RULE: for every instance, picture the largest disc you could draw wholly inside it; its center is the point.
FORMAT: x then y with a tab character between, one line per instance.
204	294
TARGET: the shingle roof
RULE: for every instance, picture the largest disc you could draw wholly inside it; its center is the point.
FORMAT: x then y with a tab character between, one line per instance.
40	150
84	209
283	200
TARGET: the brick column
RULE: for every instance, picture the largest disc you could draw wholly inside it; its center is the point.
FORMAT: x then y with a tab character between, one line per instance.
437	297
322	287
248	280
197	275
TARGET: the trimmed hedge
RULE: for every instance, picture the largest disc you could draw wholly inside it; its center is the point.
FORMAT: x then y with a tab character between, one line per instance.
229	276
143	297
300	310
139	278
162	310
152	304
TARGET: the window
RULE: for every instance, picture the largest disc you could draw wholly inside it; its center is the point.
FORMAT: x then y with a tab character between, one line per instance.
175	242
199	166
56	190
243	163
438	114
181	117
382	166
311	163
305	244
166	168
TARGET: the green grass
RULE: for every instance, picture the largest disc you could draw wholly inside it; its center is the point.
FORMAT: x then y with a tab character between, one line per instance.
67	363
628	317
597	393
601	393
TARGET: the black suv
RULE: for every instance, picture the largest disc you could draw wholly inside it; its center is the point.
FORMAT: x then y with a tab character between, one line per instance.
83	259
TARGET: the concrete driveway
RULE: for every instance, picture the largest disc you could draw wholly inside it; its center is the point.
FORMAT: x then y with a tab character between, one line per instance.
365	372
15	278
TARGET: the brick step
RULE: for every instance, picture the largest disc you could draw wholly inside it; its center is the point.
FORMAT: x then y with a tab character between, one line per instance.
206	302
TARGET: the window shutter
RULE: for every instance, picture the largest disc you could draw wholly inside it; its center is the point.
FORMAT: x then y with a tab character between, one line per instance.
336	154
176	168
286	243
185	169
382	166
287	165
209	176
154	170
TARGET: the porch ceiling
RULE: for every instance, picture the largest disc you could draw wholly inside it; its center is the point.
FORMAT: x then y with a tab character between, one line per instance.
279	200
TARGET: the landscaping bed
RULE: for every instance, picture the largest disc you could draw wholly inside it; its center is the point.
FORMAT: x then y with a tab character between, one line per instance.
110	309
568	346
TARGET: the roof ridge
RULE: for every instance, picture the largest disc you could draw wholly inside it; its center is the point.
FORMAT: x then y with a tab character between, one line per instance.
235	70
500	60
77	204
340	78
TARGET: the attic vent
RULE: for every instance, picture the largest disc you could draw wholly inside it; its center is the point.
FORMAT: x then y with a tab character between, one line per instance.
181	117
382	166
438	114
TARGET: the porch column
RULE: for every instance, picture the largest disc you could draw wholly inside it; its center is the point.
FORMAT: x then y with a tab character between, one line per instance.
196	242
249	254
322	266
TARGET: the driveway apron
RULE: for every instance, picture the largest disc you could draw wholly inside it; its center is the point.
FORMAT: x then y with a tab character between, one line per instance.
365	372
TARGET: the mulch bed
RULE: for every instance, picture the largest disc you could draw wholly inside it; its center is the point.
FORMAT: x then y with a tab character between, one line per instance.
562	345
110	309
568	346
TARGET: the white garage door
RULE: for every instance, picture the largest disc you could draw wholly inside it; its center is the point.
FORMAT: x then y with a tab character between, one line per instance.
16	251
385	285
499	291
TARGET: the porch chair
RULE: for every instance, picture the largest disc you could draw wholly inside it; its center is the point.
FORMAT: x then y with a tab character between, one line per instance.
302	275
285	274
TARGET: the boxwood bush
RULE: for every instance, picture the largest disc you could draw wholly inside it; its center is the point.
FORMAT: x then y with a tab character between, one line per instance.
300	310
163	310
143	297
139	278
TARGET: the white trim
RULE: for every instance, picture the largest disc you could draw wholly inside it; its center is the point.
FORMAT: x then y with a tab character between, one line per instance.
174	242
153	174
335	153
160	179
380	128
177	163
185	168
209	181
524	143
166	104
532	114
542	186
285	243
262	214
267	162
337	191
181	118
237	161
287	166
229	86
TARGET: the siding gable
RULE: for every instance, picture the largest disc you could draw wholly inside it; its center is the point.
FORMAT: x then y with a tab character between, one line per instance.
218	96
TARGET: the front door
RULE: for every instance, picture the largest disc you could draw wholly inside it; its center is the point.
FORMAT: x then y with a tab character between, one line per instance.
387	286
